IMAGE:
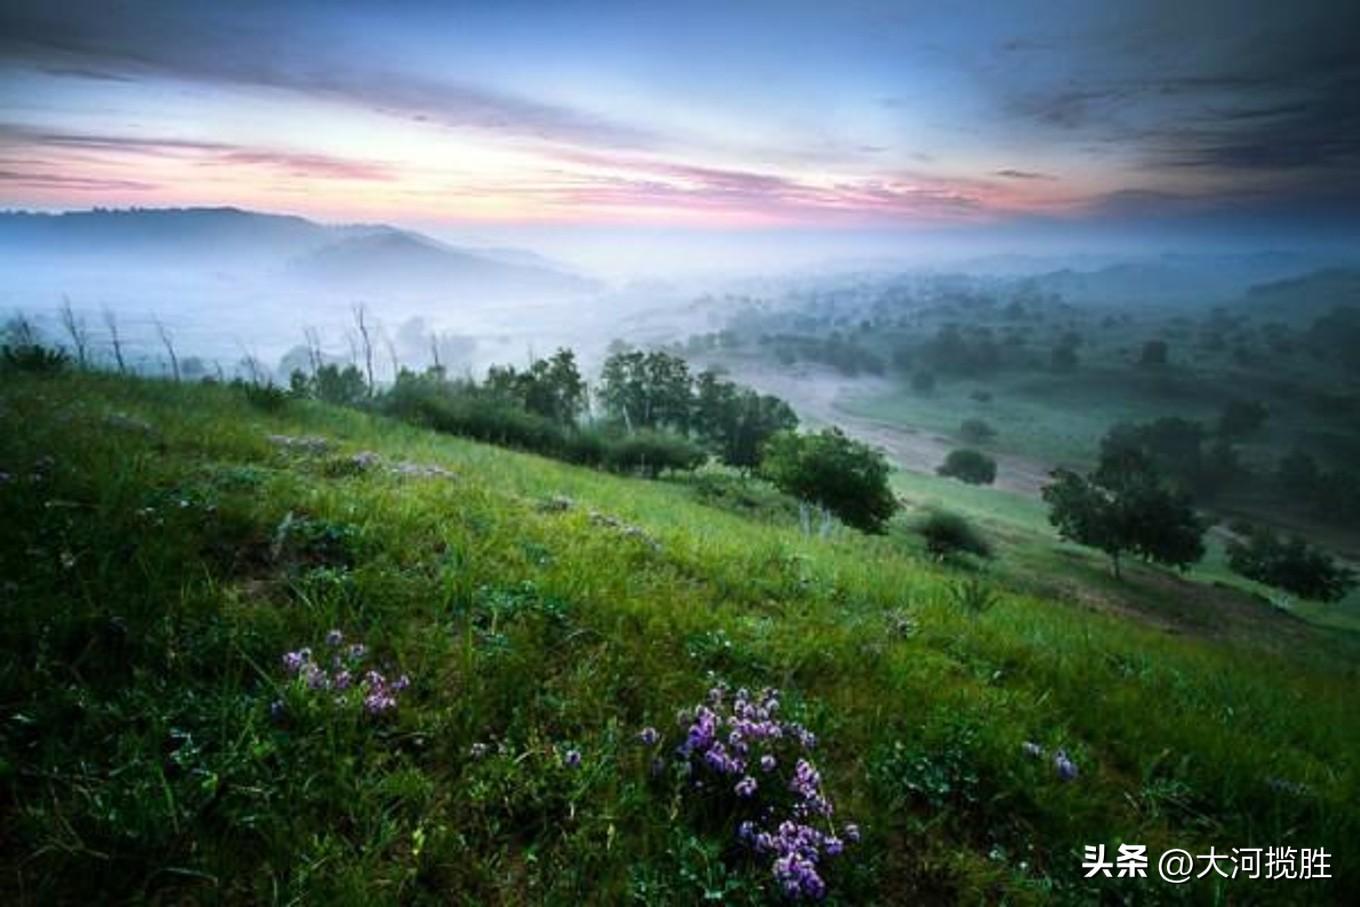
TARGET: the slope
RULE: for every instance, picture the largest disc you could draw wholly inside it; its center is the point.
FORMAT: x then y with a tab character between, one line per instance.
165	546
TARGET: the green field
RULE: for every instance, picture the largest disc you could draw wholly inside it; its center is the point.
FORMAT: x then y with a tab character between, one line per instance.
160	554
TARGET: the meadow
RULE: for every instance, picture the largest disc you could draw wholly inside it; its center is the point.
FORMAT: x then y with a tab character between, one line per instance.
304	654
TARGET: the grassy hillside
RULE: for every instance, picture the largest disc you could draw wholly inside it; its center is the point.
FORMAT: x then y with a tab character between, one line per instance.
160	556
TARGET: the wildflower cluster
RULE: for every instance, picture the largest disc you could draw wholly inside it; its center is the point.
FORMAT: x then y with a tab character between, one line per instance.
1063	766
764	762
344	674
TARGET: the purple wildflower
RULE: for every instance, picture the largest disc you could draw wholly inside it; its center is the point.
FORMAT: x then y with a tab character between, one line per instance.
293	661
316	678
833	845
746	787
851	832
572	759
767	762
379	701
1066	768
648	736
798	877
342	680
334	638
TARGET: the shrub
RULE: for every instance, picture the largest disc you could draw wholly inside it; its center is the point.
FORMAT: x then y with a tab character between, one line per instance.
1153	354
34	358
652	453
948	533
972	596
844	476
968	465
1064	359
1241	418
1292	565
267	397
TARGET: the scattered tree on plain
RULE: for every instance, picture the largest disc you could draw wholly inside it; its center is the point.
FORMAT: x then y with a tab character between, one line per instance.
1125	507
968	465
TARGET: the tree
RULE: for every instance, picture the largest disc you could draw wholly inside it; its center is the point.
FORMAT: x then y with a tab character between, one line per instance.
1064	359
736	422
1241	418
646	390
552	387
1153	354
1174	447
1292	565
842	476
1125	507
968	465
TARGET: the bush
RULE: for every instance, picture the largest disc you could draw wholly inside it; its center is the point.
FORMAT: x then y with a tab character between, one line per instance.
976	431
1292	565
1241	418
1154	354
34	358
653	452
968	465
841	475
266	397
948	534
1064	359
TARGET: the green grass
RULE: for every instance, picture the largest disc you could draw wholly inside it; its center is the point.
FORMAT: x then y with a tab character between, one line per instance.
158	565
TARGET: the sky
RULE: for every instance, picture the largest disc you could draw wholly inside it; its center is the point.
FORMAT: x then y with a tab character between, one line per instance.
1203	115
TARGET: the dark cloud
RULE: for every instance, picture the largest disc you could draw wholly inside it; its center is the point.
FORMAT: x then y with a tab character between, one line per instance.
1023	174
257	45
1256	90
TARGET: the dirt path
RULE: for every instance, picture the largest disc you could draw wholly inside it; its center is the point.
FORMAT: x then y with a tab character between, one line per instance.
818	395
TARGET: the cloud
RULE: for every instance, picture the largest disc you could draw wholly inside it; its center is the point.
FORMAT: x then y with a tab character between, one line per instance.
1023	174
38	180
205	153
259	47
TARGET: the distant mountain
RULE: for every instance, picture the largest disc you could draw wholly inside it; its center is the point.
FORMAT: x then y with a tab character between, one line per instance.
202	232
1307	297
409	262
368	257
1175	278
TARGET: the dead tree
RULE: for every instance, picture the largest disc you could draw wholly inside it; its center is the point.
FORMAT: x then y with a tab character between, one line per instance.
366	339
75	327
168	341
116	339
